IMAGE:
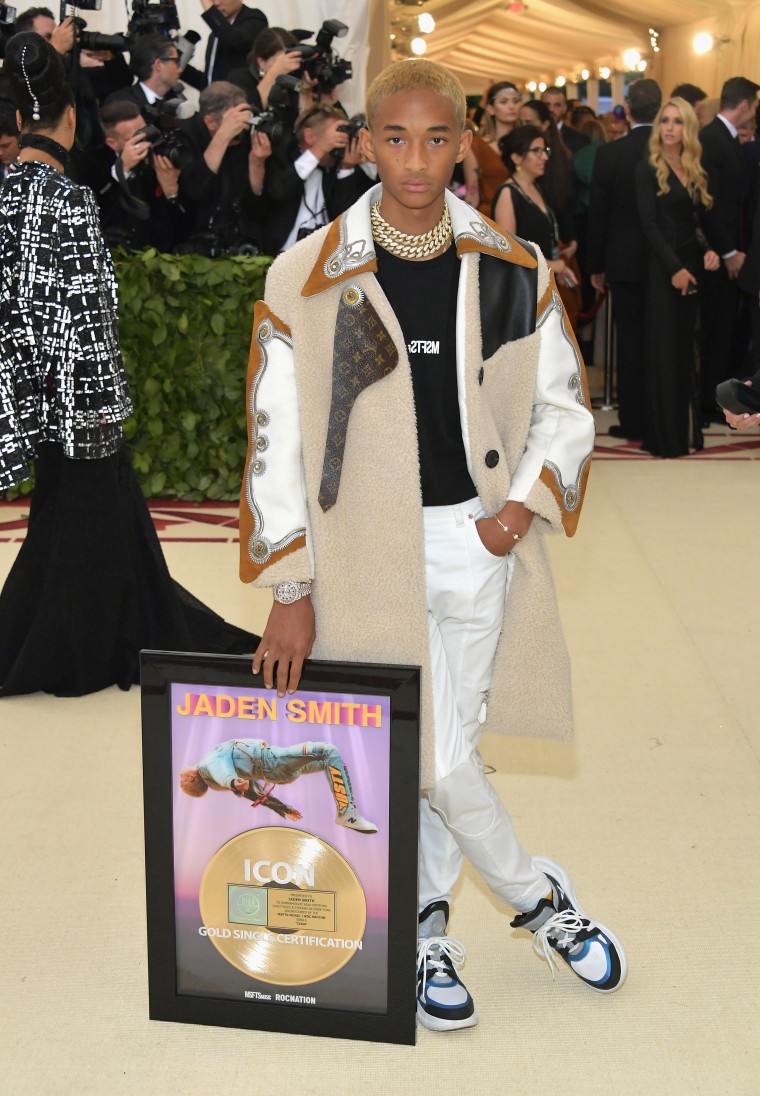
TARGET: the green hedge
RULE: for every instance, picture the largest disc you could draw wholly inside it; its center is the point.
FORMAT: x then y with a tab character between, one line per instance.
185	323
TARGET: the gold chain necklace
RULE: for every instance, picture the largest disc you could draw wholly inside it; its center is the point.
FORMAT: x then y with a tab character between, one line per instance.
406	246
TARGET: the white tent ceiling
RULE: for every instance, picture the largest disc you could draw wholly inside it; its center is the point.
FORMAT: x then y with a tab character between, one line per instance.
481	40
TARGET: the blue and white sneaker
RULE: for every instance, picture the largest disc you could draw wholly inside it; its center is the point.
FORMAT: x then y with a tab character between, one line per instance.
561	927
443	1003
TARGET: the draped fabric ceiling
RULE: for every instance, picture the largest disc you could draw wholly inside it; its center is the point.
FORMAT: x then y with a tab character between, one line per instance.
482	41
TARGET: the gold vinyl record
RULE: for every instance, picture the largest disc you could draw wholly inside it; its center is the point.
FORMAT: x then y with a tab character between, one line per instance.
282	905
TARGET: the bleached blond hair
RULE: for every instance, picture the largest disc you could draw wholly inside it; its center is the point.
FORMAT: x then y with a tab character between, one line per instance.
415	74
696	177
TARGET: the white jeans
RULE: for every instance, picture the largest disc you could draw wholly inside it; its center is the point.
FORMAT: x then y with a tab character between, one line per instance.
461	814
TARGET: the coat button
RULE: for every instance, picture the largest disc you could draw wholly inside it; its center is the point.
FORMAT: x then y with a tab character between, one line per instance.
492	458
481	374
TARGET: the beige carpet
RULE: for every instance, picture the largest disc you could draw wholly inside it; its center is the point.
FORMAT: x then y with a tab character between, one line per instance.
654	810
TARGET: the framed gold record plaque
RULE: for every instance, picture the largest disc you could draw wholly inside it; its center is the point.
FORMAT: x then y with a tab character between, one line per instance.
281	846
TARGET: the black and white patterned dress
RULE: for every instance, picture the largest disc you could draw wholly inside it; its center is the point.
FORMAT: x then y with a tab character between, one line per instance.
90	587
61	374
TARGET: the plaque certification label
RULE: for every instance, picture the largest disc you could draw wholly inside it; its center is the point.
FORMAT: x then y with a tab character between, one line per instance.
299	928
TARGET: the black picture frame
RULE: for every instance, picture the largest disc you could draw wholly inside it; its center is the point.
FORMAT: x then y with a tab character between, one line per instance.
162	674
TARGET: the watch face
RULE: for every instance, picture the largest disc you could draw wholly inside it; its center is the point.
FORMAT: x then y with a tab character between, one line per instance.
285	592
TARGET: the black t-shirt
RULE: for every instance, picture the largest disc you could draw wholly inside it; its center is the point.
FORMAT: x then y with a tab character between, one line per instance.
423	296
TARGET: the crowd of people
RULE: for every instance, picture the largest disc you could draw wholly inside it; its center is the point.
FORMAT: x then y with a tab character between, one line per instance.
486	425
655	206
265	158
654	201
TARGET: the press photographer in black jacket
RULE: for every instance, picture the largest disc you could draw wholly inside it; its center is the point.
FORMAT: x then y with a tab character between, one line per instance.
307	184
138	189
221	173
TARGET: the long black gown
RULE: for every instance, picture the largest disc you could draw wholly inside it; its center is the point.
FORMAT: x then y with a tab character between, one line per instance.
669	222
89	587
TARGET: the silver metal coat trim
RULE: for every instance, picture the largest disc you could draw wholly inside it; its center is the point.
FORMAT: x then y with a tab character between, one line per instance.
483	234
260	548
347	256
575	384
571	494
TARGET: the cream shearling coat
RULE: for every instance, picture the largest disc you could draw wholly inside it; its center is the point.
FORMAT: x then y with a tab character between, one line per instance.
527	405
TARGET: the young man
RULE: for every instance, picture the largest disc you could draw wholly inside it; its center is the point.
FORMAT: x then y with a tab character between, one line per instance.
418	419
245	765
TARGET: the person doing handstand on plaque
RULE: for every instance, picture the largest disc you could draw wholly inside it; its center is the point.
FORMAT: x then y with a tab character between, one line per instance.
245	766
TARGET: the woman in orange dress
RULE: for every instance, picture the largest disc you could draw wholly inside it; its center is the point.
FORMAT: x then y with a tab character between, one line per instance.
484	168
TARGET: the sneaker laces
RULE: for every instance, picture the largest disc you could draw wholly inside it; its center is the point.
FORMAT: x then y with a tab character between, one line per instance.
439	955
566	929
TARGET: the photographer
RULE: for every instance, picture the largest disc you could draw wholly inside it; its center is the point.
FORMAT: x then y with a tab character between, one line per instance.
106	71
307	184
273	54
138	195
234	28
221	173
42	21
155	62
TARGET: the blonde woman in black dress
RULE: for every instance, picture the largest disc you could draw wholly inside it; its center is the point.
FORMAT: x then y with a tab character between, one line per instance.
89	587
671	191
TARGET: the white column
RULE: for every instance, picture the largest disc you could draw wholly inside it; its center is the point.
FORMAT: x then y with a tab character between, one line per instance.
617	80
592	92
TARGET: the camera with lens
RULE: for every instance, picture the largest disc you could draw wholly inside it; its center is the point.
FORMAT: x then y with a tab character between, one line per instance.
160	17
320	62
147	18
274	121
92	40
353	128
162	130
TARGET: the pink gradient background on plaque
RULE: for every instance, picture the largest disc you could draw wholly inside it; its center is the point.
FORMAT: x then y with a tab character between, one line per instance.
202	826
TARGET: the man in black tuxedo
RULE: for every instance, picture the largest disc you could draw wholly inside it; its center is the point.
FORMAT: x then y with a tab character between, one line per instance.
748	280
234	28
727	182
305	185
155	62
617	250
556	101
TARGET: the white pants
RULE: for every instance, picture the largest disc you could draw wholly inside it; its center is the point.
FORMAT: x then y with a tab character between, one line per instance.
461	815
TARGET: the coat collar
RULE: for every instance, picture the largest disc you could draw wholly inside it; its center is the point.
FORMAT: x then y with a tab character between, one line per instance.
348	247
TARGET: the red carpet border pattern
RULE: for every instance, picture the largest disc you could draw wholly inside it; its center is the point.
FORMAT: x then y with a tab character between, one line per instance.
217	522
720	444
191	522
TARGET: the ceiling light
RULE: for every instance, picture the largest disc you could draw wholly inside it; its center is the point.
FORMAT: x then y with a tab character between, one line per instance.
560	82
419	46
532	85
704	42
426	22
585	74
604	72
631	59
642	65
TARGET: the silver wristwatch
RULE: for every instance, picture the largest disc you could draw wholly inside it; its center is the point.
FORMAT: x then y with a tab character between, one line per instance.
288	592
